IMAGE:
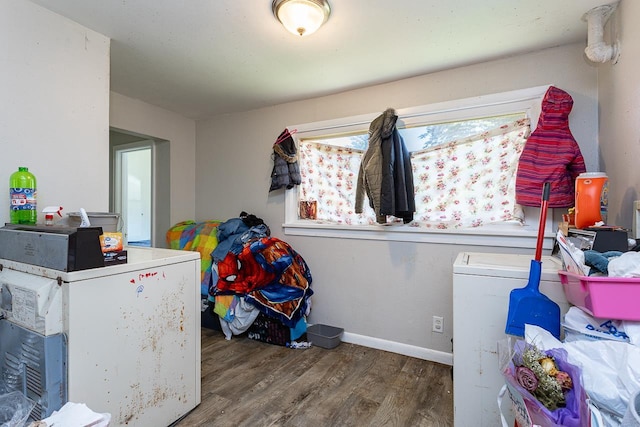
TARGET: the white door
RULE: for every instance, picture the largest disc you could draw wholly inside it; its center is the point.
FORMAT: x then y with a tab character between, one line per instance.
134	190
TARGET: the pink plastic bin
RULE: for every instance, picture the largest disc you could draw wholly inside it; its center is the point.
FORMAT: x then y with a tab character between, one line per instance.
603	297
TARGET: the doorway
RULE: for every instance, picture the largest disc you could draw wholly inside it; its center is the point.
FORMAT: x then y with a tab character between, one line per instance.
133	198
137	164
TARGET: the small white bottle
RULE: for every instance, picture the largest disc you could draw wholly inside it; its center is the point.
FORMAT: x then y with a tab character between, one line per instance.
48	214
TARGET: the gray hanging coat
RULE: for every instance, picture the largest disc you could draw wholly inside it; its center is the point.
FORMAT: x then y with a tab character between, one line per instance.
386	174
286	171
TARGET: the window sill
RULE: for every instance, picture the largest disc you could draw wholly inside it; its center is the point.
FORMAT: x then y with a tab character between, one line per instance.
502	235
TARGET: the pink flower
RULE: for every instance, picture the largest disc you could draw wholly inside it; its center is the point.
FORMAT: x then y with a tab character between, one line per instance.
564	380
526	378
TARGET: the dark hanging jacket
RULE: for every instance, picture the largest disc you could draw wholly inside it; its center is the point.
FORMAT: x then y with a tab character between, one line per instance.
386	175
286	171
551	154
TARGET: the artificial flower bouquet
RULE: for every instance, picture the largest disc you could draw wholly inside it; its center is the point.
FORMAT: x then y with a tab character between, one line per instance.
550	387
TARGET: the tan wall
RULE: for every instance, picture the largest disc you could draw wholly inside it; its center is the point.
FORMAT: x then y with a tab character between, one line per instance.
386	290
136	116
619	94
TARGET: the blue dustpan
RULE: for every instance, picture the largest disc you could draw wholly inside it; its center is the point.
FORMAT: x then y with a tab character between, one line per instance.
528	304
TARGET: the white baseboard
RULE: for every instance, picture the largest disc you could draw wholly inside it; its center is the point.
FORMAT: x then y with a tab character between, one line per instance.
396	347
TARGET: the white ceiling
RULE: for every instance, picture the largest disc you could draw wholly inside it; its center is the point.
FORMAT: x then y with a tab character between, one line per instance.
201	58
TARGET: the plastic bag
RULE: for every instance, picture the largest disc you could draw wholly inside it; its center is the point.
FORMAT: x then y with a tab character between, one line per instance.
579	325
15	408
632	416
610	369
572	257
77	414
576	411
632	329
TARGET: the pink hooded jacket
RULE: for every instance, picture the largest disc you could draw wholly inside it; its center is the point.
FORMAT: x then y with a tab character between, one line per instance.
551	154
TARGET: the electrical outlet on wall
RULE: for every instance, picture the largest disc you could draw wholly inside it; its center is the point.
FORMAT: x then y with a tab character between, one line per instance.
438	324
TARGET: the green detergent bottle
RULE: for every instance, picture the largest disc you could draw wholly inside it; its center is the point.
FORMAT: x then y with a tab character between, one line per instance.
22	192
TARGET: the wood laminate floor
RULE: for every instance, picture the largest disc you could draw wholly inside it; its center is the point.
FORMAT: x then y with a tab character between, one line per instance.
250	383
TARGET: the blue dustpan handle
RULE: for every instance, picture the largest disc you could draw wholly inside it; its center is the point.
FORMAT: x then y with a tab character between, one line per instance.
534	275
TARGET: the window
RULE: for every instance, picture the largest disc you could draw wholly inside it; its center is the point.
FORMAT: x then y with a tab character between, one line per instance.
463	172
464	156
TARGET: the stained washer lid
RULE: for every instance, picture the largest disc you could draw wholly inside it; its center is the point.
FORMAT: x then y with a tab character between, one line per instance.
504	265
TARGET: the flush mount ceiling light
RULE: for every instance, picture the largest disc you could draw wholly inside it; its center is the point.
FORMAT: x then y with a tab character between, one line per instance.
301	17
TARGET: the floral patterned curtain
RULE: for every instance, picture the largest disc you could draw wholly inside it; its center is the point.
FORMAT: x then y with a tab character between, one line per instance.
470	182
465	183
329	176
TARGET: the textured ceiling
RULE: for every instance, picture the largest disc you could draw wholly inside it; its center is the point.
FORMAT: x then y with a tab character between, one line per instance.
202	58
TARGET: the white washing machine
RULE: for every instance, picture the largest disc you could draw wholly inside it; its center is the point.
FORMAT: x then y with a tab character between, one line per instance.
482	283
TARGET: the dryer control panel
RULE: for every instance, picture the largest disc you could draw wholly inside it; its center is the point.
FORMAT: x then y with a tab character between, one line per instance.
31	301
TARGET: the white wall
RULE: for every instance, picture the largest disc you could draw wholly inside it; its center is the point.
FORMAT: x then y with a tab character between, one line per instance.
54	108
619	94
136	116
386	290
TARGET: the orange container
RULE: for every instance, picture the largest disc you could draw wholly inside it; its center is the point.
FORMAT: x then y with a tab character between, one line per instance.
592	190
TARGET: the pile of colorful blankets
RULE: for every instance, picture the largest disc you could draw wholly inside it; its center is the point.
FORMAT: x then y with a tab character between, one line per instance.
250	272
197	236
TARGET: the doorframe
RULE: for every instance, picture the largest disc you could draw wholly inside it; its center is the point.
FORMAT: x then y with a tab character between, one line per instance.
160	178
